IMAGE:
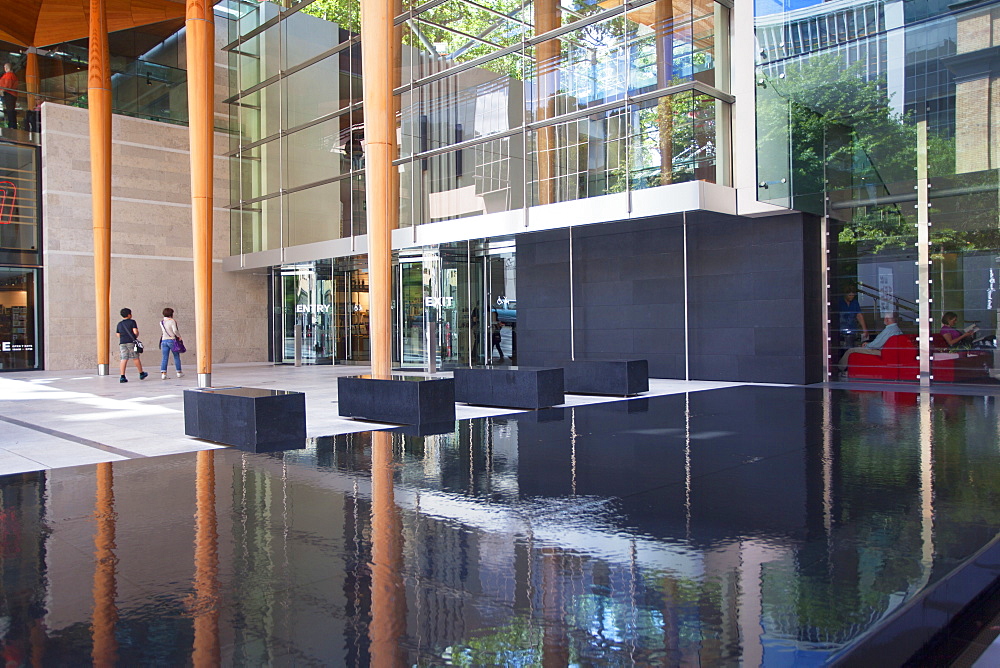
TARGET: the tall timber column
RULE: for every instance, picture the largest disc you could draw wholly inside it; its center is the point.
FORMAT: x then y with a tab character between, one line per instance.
547	17
377	75
99	113
663	27
31	83
201	108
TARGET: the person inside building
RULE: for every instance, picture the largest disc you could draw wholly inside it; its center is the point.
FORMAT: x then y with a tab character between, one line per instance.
8	86
874	347
955	339
851	321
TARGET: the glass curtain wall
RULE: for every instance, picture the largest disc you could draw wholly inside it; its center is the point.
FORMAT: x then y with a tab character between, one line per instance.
297	150
864	108
20	240
507	104
148	79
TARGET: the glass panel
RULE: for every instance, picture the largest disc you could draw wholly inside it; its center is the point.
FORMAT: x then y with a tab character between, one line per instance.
457	31
19	326
674	42
260	114
466	106
486	178
964	276
316	214
316	153
873	254
345	14
19	238
412	283
316	91
681	126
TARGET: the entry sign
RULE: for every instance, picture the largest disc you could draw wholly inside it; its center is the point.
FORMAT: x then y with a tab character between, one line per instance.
312	308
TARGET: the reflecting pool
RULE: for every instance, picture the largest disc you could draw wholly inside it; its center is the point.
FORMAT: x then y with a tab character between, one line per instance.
753	525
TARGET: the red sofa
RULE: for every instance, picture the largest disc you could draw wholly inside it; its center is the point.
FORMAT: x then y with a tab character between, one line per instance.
899	362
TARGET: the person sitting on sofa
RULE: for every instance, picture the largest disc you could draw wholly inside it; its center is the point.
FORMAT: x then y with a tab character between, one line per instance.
955	339
875	346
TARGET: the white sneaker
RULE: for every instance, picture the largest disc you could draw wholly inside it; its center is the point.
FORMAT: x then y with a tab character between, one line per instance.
180	374
163	375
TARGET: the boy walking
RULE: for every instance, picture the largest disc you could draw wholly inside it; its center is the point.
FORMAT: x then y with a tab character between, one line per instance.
128	334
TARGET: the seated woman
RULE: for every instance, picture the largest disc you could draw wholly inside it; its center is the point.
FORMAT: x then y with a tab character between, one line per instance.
955	339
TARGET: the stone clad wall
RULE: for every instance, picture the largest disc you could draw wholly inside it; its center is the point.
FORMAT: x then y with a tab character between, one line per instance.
151	244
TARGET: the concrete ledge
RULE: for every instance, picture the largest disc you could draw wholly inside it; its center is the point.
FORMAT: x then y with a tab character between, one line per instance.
398	399
510	387
898	638
617	377
249	418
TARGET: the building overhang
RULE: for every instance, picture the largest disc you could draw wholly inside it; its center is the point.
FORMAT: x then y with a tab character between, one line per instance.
39	23
646	203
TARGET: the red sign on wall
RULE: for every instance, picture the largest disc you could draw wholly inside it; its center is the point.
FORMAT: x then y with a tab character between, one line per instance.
8	192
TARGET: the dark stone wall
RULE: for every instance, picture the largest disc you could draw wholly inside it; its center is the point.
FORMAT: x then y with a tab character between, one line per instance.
754	288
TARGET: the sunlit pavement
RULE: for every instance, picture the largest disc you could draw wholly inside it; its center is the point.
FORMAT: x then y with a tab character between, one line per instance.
53	419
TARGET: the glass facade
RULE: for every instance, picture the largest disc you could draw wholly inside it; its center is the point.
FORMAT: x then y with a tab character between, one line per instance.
500	106
20	240
522	104
879	117
148	77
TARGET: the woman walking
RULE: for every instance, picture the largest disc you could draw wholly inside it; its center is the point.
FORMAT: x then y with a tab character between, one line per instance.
170	342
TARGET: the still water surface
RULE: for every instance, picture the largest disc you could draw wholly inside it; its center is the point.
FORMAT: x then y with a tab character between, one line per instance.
754	526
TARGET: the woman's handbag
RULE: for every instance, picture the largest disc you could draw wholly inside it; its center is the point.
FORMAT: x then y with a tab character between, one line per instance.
178	346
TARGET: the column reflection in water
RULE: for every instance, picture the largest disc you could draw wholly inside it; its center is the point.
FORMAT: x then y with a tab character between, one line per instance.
204	604
388	623
105	613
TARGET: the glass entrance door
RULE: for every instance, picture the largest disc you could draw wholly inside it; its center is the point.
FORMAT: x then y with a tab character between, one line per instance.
304	298
430	288
351	313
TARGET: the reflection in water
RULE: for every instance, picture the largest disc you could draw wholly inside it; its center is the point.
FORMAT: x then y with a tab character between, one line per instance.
204	605
105	615
762	526
388	625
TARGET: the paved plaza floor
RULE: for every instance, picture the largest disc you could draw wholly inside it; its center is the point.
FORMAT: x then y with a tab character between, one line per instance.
54	419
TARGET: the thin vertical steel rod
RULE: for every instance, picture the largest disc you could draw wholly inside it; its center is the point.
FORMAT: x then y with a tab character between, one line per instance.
923	256
687	334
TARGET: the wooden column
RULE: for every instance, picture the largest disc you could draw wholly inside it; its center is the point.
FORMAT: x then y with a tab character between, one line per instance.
547	17
104	651
388	625
31	79
380	142
99	112
663	26
205	602
201	110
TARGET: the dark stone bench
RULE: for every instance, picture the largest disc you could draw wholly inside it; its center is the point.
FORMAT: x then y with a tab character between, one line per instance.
398	399
249	418
614	377
510	387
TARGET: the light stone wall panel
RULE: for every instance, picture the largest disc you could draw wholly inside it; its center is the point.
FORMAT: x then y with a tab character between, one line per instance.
151	244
